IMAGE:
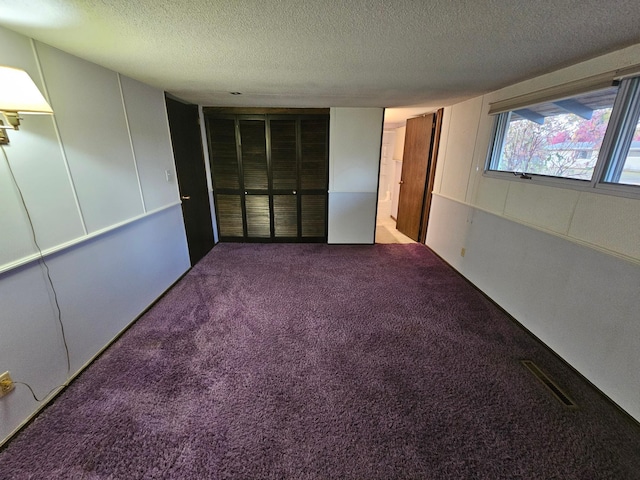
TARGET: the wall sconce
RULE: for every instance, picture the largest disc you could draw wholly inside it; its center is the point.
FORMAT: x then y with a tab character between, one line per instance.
18	94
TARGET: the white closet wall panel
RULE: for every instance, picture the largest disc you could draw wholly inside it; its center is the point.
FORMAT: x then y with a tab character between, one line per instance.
355	135
352	217
90	116
38	165
147	115
354	149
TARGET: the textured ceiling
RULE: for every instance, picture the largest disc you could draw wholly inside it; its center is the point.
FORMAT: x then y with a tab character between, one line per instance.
328	52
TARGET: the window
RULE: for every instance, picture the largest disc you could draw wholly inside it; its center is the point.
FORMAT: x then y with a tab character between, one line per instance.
630	171
591	138
624	165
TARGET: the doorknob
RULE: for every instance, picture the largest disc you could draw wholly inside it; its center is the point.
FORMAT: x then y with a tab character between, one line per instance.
186	197
401	182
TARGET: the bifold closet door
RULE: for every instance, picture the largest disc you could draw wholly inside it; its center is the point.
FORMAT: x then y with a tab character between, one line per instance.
270	176
314	174
255	177
284	173
225	176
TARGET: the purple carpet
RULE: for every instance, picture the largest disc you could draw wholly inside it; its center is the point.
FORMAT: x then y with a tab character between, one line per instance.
324	362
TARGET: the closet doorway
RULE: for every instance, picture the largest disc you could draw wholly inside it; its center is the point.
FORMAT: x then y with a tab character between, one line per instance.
269	171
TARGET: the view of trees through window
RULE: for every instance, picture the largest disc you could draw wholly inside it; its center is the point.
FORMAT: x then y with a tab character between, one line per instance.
563	137
560	145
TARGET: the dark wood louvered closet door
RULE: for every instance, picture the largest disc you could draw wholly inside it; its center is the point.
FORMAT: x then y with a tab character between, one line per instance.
255	177
270	175
314	176
284	173
225	176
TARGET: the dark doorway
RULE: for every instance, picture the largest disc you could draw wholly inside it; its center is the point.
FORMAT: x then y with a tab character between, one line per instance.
189	158
418	169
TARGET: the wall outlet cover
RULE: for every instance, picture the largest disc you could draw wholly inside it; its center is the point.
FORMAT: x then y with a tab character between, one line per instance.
6	384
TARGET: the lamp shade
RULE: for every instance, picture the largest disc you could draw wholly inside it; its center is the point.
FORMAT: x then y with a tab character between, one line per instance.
18	93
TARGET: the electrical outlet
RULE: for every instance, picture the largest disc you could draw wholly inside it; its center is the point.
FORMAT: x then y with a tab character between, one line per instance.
463	251
6	384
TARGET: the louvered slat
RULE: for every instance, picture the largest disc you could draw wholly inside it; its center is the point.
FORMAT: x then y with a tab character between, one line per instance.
313	173
285	215
224	157
254	154
229	210
314	208
283	154
258	218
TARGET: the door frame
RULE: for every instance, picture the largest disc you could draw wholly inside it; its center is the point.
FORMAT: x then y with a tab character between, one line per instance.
430	178
431	175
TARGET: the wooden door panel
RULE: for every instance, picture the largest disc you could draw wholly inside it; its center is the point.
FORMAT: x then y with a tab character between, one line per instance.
285	216
223	154
284	165
254	154
190	168
258	216
280	170
314	215
313	142
229	213
415	164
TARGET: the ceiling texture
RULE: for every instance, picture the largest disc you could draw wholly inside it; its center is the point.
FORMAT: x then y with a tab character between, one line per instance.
320	53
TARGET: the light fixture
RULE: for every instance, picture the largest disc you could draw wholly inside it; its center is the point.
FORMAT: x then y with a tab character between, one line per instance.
18	94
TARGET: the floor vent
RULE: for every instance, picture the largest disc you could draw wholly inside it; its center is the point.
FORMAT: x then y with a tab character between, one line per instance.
550	384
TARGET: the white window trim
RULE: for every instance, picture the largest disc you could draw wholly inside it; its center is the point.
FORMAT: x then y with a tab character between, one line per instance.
597	183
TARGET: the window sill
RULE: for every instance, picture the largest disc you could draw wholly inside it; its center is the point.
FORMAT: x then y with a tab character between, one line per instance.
618	190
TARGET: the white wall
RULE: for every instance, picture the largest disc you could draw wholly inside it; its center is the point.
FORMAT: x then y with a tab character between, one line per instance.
387	172
354	159
110	224
563	262
398	153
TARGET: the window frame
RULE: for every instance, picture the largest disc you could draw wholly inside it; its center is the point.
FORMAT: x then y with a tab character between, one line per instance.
611	157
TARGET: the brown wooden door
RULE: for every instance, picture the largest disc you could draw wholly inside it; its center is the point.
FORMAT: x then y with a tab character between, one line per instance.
418	142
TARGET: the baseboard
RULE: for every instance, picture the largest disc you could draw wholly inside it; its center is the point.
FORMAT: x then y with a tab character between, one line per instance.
626	414
52	395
